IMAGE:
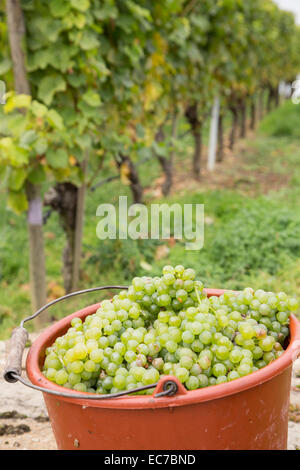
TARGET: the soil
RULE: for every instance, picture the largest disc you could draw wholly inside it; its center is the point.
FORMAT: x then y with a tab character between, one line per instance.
25	425
235	172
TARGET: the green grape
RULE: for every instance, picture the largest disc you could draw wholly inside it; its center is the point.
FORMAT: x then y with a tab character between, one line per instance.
247	331
205	337
182	374
244	369
74	379
203	380
61	377
188	337
175	334
119	382
50	373
111	369
221	379
232	375
222	352
80	387
261	364
103	342
116	357
52	362
179	270
257	352
150	376
186	362
195	369
219	369
282	317
181	295
193	382
267	343
197	346
89	366
86	375
167	325
269	357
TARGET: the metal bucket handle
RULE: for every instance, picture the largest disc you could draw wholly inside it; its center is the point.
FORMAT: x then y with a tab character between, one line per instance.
13	369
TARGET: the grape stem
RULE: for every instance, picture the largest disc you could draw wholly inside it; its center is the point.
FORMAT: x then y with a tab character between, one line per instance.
198	296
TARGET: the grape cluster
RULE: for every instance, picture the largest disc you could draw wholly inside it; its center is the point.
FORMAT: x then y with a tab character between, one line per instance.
168	326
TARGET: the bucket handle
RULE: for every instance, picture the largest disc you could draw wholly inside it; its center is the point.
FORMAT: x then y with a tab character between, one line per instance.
13	368
20	335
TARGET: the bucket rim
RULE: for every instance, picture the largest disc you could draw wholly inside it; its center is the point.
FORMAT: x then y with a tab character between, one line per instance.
36	355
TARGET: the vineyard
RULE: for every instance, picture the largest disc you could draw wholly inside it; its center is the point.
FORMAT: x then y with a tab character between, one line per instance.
109	98
113	114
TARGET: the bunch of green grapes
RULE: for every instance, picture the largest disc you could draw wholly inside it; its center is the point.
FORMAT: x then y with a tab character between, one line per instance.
168	326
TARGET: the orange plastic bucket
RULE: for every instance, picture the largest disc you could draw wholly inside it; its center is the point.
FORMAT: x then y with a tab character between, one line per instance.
249	413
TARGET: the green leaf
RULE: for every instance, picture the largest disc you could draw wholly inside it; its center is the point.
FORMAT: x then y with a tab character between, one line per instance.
27	138
48	27
81	5
89	41
138	11
5	65
4	175
76	80
58	8
106	12
15	155
182	31
70	116
83	141
49	86
37	175
79	20
16	124
57	158
40	146
39	109
17	201
160	149
92	98
55	119
16	178
39	60
58	55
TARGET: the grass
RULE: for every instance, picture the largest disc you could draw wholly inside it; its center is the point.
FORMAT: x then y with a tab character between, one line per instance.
252	237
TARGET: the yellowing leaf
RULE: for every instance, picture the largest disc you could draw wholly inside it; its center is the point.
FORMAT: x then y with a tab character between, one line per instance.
148	137
160	43
125	172
16	155
17	178
157	59
16	102
152	93
17	201
72	160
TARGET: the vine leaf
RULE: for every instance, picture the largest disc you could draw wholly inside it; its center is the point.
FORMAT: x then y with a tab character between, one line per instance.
49	86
